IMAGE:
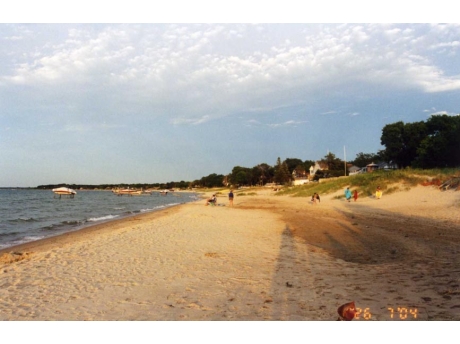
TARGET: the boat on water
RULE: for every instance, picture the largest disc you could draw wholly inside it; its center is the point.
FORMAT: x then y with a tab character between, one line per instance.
64	191
164	192
127	192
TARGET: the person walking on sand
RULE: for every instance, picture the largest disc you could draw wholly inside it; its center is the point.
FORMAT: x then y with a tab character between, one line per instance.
355	195
348	194
230	198
378	193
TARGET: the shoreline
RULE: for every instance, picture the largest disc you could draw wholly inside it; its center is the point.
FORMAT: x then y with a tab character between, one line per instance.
268	258
88	230
88	224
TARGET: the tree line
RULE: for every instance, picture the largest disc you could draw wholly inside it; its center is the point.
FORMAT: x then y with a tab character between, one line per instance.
146	186
280	173
434	143
425	144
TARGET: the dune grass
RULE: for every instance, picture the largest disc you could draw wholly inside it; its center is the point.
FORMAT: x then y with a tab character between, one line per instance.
367	183
248	194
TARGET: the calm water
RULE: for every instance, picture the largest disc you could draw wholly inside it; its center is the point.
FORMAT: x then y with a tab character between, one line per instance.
28	215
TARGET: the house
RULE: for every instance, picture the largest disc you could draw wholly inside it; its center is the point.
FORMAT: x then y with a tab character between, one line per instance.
319	165
387	166
353	170
299	177
381	166
372	167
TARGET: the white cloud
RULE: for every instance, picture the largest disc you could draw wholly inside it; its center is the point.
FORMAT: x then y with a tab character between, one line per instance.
13	38
163	82
189	69
290	123
192	121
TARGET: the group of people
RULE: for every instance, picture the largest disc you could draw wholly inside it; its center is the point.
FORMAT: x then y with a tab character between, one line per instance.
348	194
314	199
378	194
213	199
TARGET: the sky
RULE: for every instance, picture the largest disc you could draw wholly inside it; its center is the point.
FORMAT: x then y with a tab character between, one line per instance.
87	101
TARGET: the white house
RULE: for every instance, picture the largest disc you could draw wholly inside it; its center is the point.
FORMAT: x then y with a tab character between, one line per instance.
318	166
299	177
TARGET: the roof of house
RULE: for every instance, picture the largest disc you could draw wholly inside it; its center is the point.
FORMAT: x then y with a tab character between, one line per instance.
354	168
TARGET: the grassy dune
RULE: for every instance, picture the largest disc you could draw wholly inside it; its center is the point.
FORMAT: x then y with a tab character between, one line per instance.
366	183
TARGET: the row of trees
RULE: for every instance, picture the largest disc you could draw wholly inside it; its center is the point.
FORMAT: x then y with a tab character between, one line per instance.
426	144
430	144
261	174
280	173
434	143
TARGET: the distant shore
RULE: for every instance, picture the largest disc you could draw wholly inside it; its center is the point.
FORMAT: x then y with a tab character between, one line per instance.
267	258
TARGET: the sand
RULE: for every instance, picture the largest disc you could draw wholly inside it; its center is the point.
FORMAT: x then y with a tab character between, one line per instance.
267	258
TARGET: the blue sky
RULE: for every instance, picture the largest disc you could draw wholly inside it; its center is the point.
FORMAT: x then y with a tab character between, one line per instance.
126	103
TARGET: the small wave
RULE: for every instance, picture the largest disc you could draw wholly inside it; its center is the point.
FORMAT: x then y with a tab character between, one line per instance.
49	227
72	223
27	219
20	241
6	234
102	218
22	219
31	238
158	207
63	224
170	205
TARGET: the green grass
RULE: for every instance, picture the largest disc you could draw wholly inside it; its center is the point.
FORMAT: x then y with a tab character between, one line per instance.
248	194
217	191
366	183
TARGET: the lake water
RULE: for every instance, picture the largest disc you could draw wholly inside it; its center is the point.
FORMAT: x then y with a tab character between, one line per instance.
28	215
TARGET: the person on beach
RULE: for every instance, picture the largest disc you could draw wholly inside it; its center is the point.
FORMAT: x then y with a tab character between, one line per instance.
315	198
355	195
230	198
211	200
348	194
378	193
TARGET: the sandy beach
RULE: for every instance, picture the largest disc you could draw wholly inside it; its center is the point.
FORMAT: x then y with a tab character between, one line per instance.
267	258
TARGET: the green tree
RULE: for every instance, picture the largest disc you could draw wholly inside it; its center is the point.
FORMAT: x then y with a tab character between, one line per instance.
392	139
261	174
401	141
292	163
300	169
212	180
363	159
441	145
333	163
413	135
239	176
282	175
307	164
